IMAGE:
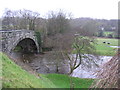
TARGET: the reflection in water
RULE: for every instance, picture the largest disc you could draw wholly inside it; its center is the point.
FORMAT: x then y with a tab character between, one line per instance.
45	63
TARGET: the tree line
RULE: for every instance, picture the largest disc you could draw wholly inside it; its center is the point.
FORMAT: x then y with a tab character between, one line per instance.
55	22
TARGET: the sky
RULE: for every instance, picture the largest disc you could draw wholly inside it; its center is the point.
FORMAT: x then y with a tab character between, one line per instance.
97	9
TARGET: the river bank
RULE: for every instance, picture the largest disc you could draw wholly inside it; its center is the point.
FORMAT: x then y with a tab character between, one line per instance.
45	63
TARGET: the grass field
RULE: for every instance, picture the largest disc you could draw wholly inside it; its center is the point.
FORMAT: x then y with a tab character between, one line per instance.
13	76
63	81
106	33
104	48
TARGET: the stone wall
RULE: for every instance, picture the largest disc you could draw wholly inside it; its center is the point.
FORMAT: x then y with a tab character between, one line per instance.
10	38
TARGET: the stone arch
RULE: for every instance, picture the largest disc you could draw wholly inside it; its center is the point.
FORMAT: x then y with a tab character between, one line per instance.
25	38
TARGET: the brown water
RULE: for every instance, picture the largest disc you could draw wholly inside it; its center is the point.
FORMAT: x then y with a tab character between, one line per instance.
42	63
49	63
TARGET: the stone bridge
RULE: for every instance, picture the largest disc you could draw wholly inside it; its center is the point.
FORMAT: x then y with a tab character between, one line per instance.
25	39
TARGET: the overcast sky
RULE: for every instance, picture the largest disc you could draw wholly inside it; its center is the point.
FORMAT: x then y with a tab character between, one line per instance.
101	9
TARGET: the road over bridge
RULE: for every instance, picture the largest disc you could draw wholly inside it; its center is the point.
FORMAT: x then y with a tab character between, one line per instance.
25	39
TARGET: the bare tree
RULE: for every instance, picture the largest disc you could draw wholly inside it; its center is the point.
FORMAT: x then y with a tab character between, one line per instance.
57	23
57	31
29	18
6	22
82	48
68	41
20	19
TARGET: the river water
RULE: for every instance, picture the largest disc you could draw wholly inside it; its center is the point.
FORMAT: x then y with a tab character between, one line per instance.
82	72
42	63
48	63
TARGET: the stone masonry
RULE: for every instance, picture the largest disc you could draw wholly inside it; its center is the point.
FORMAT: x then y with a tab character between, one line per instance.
10	38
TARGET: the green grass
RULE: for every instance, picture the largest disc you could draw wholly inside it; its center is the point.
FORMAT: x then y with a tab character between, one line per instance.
63	81
104	49
106	33
13	76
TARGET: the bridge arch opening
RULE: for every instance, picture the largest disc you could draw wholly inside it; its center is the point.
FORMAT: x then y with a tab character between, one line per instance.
26	45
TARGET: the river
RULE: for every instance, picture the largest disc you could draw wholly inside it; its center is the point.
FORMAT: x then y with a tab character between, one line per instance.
47	63
83	72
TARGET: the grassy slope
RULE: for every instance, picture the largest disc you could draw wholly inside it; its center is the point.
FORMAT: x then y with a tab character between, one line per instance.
63	81
103	48
15	77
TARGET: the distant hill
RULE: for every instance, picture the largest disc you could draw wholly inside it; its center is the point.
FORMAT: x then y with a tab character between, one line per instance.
108	25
